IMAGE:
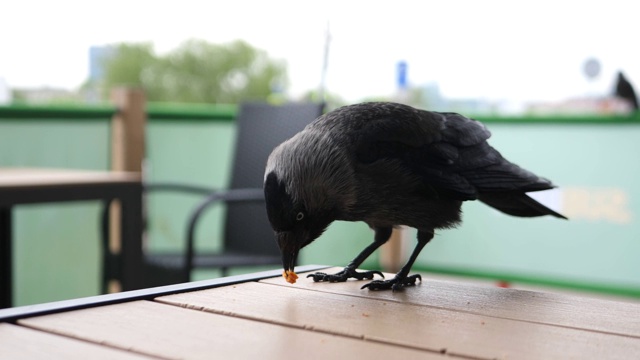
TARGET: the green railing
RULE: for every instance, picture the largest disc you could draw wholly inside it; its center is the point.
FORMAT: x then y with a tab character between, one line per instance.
155	111
214	112
562	119
182	112
50	112
176	111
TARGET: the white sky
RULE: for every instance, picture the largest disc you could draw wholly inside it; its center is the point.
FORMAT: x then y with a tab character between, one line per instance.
499	50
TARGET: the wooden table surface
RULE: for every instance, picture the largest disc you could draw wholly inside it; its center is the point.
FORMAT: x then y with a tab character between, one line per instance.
41	177
271	319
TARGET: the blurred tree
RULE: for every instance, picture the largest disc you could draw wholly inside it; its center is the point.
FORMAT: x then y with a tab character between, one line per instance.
332	100
413	96
125	66
197	71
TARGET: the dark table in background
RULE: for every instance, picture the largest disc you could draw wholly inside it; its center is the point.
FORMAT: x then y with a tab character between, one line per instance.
31	186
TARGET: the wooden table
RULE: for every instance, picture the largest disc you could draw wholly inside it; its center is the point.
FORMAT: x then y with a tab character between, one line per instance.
260	316
29	186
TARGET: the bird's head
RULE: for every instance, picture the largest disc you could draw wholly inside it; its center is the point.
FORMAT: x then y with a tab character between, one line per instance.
302	196
295	223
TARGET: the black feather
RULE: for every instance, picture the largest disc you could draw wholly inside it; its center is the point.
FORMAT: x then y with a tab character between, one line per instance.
280	207
449	152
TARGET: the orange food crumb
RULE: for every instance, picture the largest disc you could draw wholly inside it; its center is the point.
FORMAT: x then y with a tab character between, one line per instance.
290	276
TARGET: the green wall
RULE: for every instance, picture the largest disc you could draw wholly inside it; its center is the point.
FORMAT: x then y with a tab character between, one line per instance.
594	166
56	248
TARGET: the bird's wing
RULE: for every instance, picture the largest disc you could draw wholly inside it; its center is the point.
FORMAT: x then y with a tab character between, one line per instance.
449	151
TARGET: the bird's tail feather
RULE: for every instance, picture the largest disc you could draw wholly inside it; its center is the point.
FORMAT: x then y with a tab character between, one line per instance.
517	204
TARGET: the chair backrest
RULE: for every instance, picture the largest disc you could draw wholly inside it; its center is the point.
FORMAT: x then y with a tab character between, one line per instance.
260	128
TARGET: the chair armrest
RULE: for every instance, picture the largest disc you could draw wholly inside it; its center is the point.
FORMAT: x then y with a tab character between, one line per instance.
227	196
179	187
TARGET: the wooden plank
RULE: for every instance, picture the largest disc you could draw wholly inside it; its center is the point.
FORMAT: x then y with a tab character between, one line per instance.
434	329
392	253
17	342
39	177
548	308
171	332
128	129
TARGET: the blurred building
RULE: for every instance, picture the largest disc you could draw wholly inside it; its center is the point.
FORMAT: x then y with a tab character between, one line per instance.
430	97
44	95
5	92
97	56
582	105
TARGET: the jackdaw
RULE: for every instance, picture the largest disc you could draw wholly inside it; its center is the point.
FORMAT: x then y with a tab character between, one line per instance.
388	164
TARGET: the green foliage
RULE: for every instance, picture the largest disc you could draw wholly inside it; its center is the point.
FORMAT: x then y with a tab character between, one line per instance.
332	101
197	71
127	65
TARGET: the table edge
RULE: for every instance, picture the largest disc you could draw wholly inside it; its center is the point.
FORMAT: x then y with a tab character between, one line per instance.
64	177
21	312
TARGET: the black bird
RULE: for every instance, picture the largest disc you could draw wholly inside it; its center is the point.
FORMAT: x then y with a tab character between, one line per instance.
388	164
624	90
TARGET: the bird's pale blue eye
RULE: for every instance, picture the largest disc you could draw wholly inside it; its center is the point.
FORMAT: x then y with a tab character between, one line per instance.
300	216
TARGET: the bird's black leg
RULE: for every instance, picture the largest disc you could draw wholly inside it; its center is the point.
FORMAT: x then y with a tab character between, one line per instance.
402	278
381	236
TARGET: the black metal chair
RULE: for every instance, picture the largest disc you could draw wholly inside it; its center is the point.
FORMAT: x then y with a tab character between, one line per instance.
248	237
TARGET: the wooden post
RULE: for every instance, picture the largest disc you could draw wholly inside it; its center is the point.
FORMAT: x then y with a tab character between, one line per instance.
128	130
127	151
392	253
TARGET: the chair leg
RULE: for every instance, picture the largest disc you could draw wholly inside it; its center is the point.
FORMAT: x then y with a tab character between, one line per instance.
6	253
110	261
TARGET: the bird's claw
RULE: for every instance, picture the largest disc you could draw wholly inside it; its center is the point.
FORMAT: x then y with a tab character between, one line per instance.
344	275
395	284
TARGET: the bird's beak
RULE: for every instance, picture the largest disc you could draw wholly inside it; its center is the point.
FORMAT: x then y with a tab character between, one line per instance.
289	260
289	248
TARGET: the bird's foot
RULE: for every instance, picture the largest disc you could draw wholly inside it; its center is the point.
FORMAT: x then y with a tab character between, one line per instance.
346	273
395	284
